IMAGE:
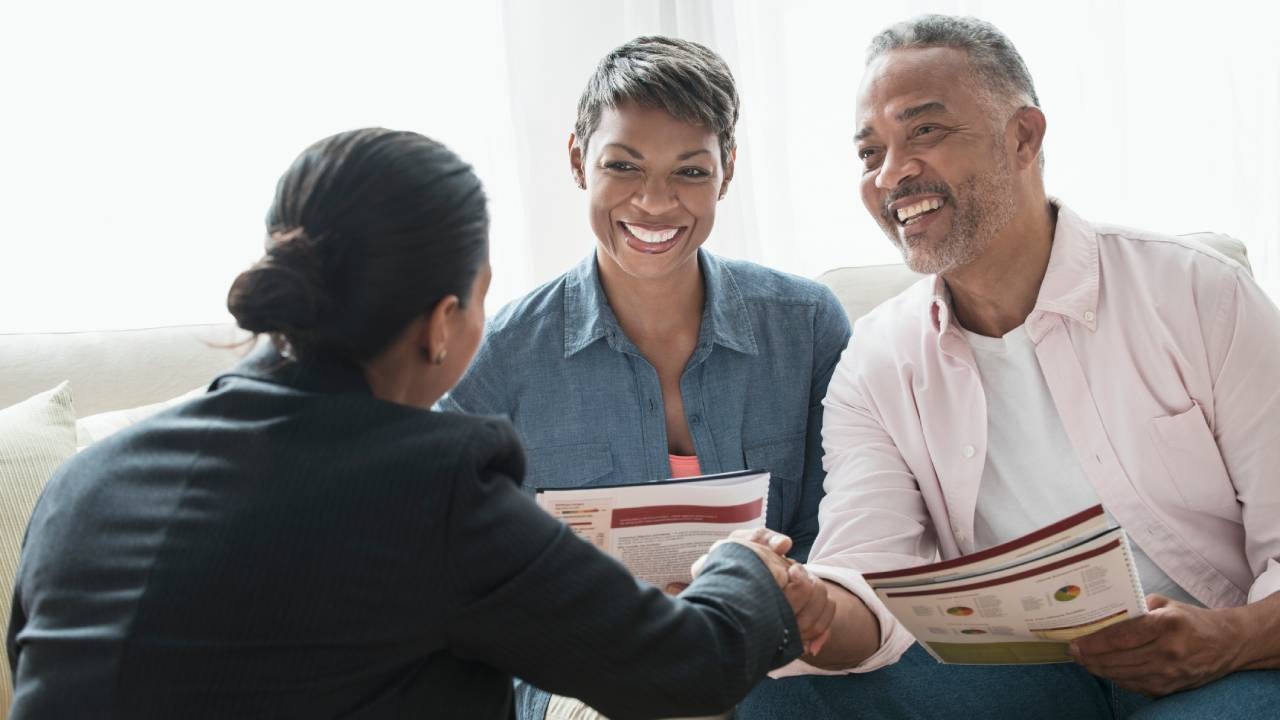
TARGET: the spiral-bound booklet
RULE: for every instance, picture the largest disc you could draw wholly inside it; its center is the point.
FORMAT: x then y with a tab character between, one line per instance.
1022	601
657	529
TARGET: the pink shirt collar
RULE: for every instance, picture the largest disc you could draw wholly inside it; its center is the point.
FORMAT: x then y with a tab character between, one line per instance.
1070	286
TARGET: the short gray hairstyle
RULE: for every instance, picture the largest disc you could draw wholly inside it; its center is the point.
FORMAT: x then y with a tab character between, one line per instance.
997	66
686	79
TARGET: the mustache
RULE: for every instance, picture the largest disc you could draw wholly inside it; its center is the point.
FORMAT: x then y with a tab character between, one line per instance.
928	188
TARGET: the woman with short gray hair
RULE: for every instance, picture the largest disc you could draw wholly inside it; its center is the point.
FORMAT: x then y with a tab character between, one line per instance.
654	358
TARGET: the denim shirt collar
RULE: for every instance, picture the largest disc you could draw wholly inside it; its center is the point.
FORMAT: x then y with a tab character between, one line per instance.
588	316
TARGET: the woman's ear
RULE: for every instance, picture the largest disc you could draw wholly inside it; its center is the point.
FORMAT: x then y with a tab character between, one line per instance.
575	163
728	172
433	339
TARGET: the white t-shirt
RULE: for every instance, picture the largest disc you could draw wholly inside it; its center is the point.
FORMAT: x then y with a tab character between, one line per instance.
1032	477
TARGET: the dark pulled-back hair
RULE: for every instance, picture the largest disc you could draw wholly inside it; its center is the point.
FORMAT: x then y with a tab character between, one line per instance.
686	79
369	229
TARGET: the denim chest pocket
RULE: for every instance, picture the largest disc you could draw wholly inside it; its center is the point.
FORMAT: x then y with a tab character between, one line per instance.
1191	457
564	466
783	457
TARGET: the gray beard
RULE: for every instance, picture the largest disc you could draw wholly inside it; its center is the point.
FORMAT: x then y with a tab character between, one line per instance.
983	207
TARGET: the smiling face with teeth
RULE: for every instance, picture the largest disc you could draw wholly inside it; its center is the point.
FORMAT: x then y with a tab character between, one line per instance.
935	154
653	183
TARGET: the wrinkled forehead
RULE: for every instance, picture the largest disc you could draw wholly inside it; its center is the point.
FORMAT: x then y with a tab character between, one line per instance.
905	78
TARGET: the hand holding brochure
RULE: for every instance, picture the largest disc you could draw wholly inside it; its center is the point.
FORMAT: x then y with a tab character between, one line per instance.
659	529
1020	602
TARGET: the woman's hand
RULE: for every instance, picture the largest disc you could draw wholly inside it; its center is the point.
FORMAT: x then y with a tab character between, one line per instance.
805	593
769	546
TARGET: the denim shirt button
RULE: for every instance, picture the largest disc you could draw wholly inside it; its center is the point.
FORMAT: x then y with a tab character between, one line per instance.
694	419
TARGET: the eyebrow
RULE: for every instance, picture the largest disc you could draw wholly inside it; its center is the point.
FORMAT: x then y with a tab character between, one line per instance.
918	110
629	150
636	153
912	112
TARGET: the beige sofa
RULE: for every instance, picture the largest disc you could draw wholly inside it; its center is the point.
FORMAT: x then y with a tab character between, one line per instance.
117	378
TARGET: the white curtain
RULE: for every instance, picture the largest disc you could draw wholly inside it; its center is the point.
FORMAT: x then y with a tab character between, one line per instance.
1161	116
140	141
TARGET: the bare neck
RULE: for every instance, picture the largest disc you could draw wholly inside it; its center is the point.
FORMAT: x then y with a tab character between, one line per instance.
995	293
399	374
659	308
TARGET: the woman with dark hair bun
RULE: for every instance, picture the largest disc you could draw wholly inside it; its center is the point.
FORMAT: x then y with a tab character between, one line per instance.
310	540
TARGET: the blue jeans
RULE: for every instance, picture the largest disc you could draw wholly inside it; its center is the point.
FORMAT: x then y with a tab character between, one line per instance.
917	686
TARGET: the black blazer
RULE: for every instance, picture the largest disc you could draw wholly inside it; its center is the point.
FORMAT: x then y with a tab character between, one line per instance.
288	546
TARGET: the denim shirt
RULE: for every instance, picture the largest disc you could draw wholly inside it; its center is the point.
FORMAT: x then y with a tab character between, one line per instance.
589	408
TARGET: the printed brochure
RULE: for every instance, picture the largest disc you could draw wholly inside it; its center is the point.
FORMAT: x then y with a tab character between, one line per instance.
659	529
1022	601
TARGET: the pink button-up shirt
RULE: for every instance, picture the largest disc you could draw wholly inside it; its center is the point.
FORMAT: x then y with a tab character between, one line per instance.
1161	356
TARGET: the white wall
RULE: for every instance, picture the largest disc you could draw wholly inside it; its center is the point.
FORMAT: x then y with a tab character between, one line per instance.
140	141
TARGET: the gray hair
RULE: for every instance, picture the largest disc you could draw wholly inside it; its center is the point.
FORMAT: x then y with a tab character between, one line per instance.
997	66
686	79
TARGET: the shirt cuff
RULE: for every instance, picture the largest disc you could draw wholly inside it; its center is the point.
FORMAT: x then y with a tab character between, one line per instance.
894	638
1267	583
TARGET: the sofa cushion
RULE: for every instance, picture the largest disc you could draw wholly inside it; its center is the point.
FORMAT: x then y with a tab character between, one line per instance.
91	429
861	289
36	436
117	369
1225	244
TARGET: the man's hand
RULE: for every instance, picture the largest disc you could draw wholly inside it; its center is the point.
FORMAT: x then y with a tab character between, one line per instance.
1174	647
814	610
805	593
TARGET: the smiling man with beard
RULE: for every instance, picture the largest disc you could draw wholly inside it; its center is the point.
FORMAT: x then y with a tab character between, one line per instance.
1047	364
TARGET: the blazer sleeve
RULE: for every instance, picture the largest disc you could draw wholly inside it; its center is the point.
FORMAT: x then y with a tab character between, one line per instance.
530	598
17	621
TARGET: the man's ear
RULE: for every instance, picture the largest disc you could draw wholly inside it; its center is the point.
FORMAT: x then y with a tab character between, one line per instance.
575	163
728	172
433	338
1028	128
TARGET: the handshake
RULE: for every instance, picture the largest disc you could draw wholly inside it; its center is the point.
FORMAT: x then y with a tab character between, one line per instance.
805	592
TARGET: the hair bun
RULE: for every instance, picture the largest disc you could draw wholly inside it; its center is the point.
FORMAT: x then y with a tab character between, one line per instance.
369	229
283	294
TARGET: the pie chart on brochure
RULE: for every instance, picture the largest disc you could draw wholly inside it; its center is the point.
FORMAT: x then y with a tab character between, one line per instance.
960	610
1067	593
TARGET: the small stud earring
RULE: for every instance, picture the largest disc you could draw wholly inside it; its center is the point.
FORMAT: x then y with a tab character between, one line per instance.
440	356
